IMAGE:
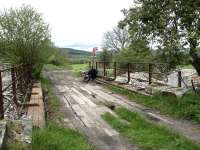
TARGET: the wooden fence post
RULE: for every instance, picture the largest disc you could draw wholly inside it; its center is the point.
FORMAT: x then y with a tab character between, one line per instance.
179	79
150	73
1	98
129	73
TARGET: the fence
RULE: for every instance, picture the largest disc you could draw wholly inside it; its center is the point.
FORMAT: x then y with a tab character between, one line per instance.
147	72
14	84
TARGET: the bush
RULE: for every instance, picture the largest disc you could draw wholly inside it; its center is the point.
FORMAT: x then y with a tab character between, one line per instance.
24	37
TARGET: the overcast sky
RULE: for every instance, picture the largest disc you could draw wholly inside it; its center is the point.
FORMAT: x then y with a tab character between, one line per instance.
77	24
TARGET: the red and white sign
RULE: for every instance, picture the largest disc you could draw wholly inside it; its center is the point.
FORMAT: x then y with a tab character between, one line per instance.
94	51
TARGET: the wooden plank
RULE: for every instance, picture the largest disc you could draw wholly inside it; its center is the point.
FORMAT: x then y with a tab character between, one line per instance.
37	112
85	118
77	99
84	98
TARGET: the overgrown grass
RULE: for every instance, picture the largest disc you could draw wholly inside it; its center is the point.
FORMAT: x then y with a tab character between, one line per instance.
52	101
185	67
55	136
78	68
56	67
148	136
13	129
187	107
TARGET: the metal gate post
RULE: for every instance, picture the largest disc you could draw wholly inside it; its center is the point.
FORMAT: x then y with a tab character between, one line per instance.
115	70
150	73
179	78
1	98
128	73
14	85
96	65
104	68
89	65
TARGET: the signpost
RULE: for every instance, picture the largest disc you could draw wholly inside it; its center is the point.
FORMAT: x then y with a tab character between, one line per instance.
93	56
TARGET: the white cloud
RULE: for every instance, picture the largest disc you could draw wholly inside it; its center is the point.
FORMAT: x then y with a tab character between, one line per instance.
73	22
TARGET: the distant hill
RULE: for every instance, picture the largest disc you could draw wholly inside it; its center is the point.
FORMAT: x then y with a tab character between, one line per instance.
72	52
77	55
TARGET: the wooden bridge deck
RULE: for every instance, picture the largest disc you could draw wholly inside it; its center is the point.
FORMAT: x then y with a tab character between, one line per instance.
83	104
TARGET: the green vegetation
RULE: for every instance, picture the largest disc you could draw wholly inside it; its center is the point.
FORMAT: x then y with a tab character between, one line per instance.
53	103
56	67
106	56
187	107
13	129
185	67
78	68
161	23
24	38
77	56
55	136
147	135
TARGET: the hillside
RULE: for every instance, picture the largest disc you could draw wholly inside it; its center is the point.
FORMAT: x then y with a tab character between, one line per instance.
77	56
75	52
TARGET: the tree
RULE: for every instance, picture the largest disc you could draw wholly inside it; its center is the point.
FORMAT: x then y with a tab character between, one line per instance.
172	24
24	36
106	56
116	40
137	51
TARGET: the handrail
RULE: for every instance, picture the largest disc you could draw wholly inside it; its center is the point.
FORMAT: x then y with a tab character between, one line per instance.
133	62
20	78
7	69
158	69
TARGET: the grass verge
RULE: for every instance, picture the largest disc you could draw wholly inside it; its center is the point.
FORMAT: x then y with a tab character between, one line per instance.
187	107
56	67
77	68
52	102
55	136
148	136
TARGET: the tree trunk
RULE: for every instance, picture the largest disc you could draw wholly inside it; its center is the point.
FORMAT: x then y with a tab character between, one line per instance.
196	63
194	54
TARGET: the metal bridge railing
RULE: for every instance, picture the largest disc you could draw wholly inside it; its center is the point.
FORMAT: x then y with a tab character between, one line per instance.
14	84
154	72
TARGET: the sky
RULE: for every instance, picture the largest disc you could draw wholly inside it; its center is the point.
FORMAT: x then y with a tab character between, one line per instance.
78	24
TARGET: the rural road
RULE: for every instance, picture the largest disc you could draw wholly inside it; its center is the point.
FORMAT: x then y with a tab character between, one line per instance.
83	104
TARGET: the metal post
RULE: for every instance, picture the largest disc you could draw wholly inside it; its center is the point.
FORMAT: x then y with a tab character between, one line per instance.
24	77
179	78
89	65
14	86
20	70
96	65
29	73
1	99
150	73
115	70
104	68
128	73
